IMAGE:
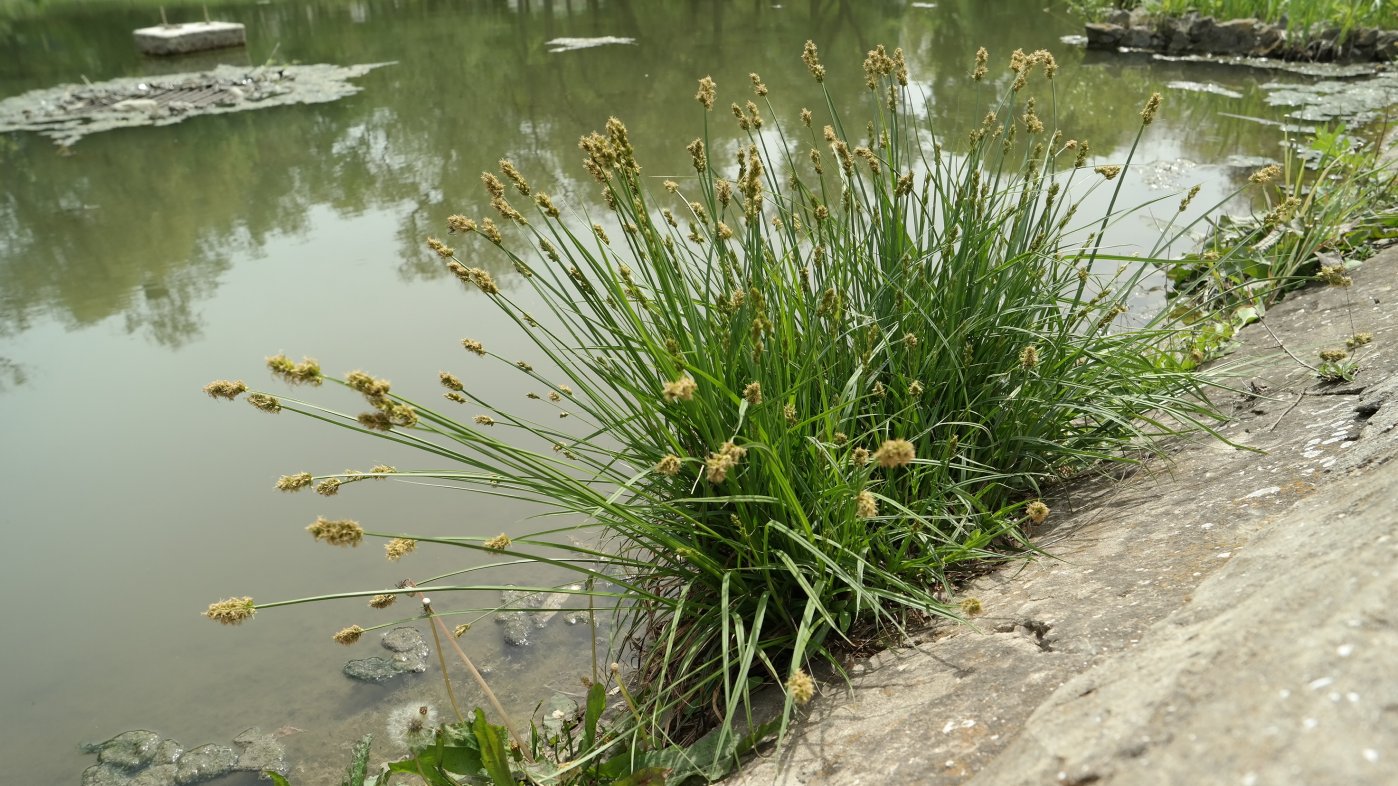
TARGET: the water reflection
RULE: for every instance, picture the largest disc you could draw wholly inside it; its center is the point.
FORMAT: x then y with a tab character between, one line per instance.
142	223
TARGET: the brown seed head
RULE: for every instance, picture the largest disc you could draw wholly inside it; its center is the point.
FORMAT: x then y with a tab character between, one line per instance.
1036	511
707	92
231	611
336	532
223	388
349	635
894	453
397	548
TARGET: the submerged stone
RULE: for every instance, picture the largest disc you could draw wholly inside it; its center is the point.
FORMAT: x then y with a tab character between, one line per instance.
409	649
410	656
205	762
157	775
105	775
373	669
130	750
530	611
259	752
167	752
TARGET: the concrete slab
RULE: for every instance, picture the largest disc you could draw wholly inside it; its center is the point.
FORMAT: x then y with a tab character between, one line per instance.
190	37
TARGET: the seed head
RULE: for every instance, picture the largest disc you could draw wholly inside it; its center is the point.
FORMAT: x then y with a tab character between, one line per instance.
1334	275
1333	355
349	635
859	457
491	232
328	487
375	421
294	482
223	388
800	687
806	117
485	420
397	548
1152	106
1037	511
894	453
336	532
440	249
789	412
459	225
498	543
382	601
1265	175
474	346
507	168
1029	357
970	606
757	86
1108	172
450	382
1358	340
670	465
265	402
460	630
915	389
707	91
681	389
811	58
982	64
231	611
753	393
1184	203
866	507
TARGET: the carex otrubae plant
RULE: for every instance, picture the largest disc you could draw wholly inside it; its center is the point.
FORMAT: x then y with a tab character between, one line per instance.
808	384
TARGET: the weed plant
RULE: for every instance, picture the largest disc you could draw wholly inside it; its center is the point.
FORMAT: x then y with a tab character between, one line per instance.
1323	210
788	399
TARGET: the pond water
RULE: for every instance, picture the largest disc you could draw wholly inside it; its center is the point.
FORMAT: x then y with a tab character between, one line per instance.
141	263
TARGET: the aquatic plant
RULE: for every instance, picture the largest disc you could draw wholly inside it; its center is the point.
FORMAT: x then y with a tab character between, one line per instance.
785	401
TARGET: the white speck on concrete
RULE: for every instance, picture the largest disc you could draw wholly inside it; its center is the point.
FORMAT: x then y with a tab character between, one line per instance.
1344	650
1370	755
1323	682
1263	492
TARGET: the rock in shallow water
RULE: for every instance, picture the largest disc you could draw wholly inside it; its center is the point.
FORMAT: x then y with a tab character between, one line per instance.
204	763
130	750
409	656
259	752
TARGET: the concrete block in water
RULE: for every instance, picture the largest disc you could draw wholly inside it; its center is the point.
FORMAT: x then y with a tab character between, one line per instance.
191	37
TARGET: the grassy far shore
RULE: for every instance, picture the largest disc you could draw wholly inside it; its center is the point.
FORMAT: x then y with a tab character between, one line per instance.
1299	14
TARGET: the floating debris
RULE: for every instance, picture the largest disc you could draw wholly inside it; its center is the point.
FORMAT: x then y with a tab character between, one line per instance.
67	113
1331	70
571	44
1352	101
1204	87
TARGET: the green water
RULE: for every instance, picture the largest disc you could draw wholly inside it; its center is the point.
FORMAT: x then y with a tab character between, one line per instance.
142	263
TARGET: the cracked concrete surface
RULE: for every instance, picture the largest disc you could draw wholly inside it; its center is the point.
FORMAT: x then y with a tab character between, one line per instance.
1223	617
